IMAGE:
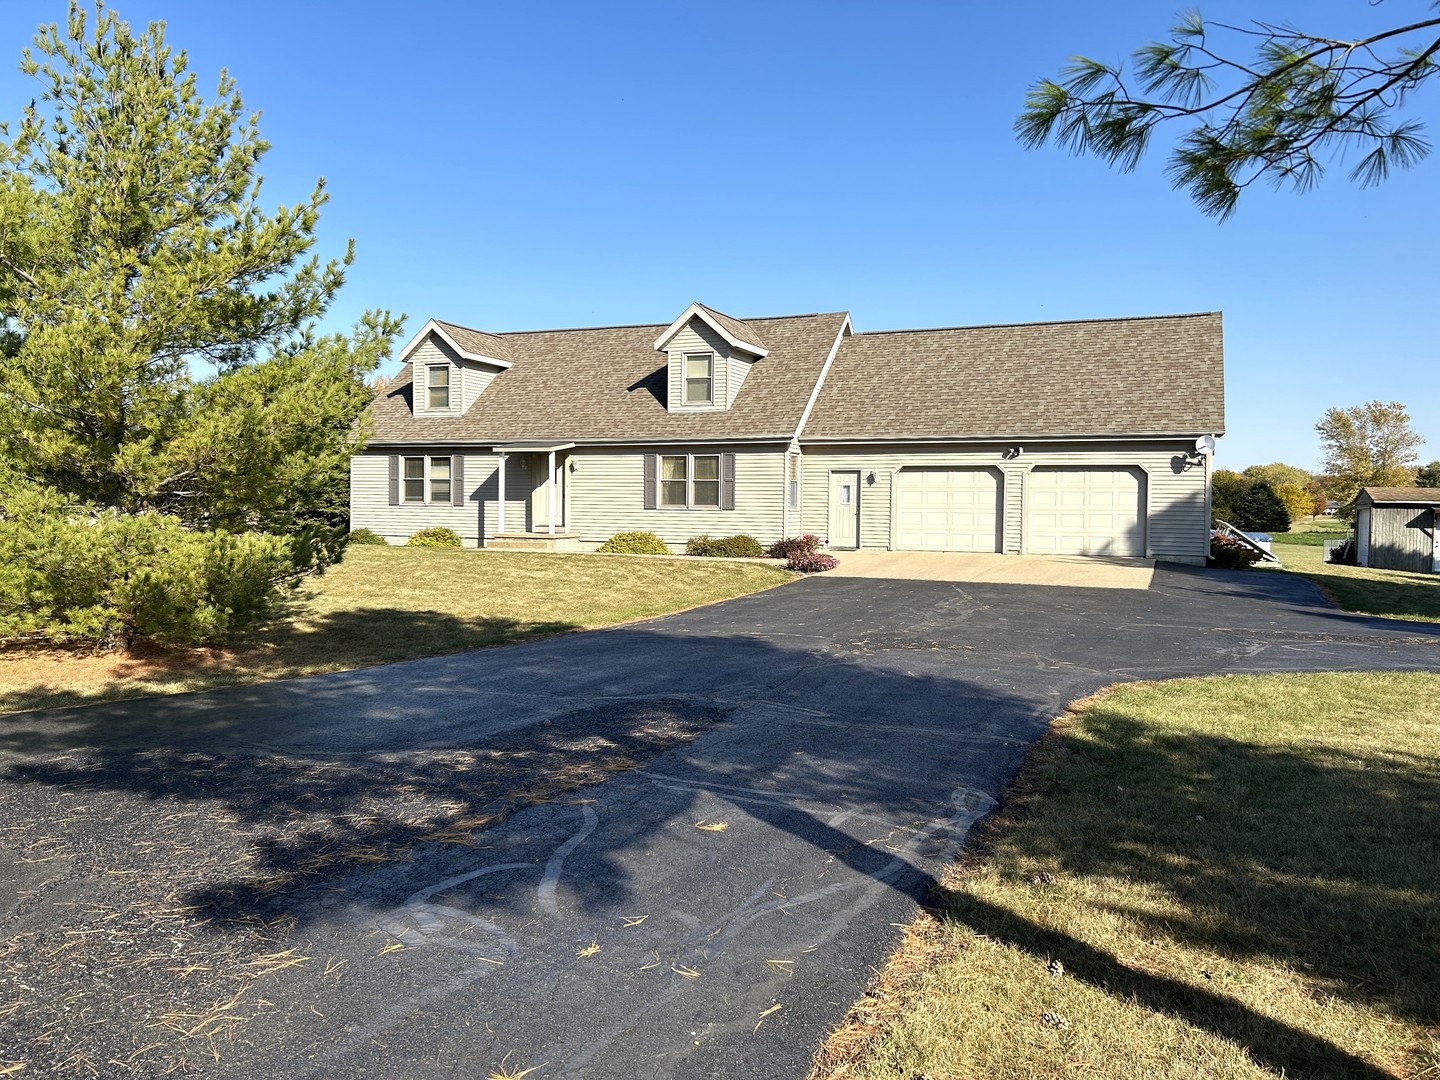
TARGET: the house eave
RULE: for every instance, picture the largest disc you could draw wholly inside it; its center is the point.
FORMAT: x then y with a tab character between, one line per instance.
696	311
1147	436
484	444
434	327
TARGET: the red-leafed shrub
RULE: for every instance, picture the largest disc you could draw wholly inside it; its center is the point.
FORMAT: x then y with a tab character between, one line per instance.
812	562
792	546
1230	554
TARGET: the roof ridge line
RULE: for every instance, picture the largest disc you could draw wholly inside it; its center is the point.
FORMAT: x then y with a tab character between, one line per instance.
637	326
1040	322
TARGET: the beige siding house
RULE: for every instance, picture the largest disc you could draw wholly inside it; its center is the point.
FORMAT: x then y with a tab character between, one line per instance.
1064	437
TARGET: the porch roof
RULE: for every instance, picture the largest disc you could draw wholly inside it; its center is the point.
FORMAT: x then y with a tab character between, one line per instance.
533	446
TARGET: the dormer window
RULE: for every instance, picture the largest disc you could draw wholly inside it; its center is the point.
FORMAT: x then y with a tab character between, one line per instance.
438	386
699	378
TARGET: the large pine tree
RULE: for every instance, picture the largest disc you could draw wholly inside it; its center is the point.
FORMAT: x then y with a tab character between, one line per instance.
160	346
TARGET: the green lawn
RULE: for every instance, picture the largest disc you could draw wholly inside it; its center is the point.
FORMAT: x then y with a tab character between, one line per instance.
1358	588
1223	877
383	604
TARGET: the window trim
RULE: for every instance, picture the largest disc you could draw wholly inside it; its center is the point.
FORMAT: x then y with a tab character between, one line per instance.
689	480
661	481
430	387
426	480
709	380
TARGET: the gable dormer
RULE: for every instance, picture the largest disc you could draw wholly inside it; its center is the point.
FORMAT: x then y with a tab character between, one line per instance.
450	366
709	356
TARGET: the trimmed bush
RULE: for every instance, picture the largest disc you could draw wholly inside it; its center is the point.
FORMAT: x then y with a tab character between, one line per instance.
725	547
364	536
438	537
1230	554
99	578
634	543
809	544
812	563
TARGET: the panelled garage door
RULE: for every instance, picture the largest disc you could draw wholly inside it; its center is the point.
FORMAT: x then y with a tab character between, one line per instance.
1086	511
948	510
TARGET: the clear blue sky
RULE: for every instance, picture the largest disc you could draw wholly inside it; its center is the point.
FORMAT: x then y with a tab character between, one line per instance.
519	165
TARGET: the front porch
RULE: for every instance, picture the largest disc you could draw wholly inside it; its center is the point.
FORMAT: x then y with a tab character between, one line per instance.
533	541
542	465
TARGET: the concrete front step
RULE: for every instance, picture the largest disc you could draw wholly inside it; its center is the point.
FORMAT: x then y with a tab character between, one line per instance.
532	542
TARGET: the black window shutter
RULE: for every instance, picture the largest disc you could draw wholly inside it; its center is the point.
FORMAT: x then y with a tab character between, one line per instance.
394	479
727	481
457	479
652	471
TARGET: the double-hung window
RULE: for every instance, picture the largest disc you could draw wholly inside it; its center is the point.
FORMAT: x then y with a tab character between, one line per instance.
690	480
705	487
438	386
699	378
674	480
426	480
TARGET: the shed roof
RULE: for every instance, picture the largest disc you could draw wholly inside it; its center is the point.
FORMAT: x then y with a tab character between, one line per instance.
1153	375
1403	496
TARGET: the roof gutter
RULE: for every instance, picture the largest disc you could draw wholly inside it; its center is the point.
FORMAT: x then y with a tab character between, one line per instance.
581	443
1148	436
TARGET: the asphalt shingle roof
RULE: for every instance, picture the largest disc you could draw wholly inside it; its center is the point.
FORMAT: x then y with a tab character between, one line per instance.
1158	375
1427	496
1139	376
736	328
477	341
609	383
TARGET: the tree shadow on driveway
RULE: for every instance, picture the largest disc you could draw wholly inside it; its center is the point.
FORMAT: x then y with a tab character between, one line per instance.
195	821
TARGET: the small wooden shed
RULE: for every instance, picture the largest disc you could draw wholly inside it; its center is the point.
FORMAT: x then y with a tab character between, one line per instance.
1395	529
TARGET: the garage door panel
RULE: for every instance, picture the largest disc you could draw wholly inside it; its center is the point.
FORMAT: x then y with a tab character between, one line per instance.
1086	511
948	509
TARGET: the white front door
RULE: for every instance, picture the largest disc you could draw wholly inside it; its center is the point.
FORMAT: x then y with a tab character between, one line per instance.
844	509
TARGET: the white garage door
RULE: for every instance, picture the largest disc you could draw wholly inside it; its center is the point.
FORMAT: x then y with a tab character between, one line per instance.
948	510
1077	511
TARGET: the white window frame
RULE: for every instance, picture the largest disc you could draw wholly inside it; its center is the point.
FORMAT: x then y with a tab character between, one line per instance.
426	480
430	386
661	480
792	483
709	380
693	480
689	480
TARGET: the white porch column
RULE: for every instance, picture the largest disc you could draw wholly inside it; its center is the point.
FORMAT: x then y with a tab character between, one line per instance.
552	492
500	507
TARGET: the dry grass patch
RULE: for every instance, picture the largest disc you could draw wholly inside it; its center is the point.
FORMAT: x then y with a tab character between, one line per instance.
387	604
1222	877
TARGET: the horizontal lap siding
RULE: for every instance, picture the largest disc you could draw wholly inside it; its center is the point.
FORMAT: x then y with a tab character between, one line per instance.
428	353
697	337
1177	527
370	499
607	496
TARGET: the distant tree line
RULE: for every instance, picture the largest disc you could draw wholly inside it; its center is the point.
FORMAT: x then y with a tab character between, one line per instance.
1371	445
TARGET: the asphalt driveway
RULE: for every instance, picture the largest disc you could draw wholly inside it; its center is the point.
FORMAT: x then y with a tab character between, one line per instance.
608	854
